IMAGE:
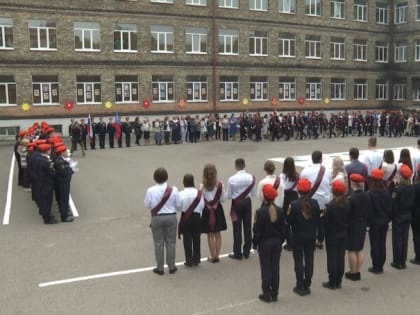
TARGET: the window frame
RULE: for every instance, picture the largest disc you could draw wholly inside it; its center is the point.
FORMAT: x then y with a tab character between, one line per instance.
7	86
291	6
381	51
417	50
260	43
361	11
196	2
91	32
125	34
49	84
337	46
234	4
313	7
338	89
197	84
401	13
49	31
260	85
133	88
382	14
360	90
381	90
313	48
168	85
400	91
289	46
196	32
225	44
258	5
166	34
400	52
287	86
227	83
360	52
342	9
313	90
93	86
6	30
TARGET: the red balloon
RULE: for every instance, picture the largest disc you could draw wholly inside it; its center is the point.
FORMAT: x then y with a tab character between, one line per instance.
146	103
301	100
68	105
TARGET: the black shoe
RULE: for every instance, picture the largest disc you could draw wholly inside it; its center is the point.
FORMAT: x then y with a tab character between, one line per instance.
403	266
338	286
233	256
67	219
415	261
396	265
307	291
265	298
353	276
328	285
216	260
246	256
301	292
375	271
158	272
50	220
188	264
274	297
172	271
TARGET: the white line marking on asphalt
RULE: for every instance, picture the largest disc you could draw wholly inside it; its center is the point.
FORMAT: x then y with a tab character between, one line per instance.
73	207
110	274
226	307
8	206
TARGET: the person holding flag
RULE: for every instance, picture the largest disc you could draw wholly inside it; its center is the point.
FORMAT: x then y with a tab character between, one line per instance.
90	130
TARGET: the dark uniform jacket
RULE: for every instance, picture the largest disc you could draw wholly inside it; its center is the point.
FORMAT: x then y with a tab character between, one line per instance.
303	229
381	207
360	207
403	198
264	229
336	220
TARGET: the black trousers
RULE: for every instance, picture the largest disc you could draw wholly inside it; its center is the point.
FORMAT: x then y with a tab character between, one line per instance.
93	142
102	141
336	250
269	252
320	231
127	139
191	239
415	225
400	241
45	200
111	140
377	238
244	216
225	132
303	255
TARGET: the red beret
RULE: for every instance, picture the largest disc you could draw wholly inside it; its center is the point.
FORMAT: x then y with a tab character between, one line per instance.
338	187
40	141
269	192
22	133
49	129
304	185
357	178
377	174
60	149
44	147
405	171
58	144
30	148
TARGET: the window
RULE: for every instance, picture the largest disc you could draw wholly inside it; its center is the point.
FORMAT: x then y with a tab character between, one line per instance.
163	89
381	90
337	49
258	43
360	50
287	45
400	91
415	88
313	7
417	50
287	6
7	91
196	2
126	89
229	88
125	37
162	1
313	89
45	90
338	89
313	47
86	36
88	89
162	39
258	89
6	33
287	89
361	10
337	9
230	4
258	5
197	88
196	40
417	10
381	52
9	131
401	13
360	89
228	42
43	35
382	13
400	52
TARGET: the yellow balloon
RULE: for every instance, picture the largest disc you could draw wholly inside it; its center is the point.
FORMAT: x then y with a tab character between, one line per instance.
25	106
108	105
326	100
245	101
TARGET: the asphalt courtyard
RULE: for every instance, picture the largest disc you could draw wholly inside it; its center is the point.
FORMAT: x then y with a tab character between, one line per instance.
101	263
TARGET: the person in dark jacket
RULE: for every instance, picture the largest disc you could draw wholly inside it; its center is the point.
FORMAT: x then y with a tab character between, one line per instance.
303	217
100	129
415	219
137	125
403	198
63	174
268	237
110	129
359	205
335	220
379	217
126	128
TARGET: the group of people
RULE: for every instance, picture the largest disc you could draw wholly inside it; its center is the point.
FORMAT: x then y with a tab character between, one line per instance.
45	168
297	212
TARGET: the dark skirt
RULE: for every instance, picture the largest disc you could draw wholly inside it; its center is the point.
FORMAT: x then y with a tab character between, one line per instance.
356	237
220	220
147	135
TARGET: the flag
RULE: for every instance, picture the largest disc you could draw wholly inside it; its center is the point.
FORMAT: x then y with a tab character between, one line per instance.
117	126
89	128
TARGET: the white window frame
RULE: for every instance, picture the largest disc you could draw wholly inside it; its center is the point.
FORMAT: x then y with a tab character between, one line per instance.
415	91
162	1
195	88
6	86
196	2
6	25
258	5
313	48
338	89
91	86
382	14
132	88
287	46
163	33
360	51
337	50
338	9
381	52
417	50
287	89
313	7
41	30
229	4
164	91
400	52
313	91
401	13
361	90
361	13
229	88
49	86
381	92
228	38
196	36
90	30
287	6
260	90
125	32
260	44
400	90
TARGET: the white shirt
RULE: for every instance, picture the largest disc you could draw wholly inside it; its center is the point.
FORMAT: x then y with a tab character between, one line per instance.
210	194
238	183
154	195
270	179
388	169
287	183
187	197
323	193
416	159
372	159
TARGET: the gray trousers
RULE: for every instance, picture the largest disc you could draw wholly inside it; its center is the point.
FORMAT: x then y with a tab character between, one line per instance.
164	234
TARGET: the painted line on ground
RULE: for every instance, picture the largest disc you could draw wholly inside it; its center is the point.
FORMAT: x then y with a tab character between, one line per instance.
8	206
226	307
73	207
110	274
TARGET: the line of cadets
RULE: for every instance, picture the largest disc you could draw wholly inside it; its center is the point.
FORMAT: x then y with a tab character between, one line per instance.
357	202
45	169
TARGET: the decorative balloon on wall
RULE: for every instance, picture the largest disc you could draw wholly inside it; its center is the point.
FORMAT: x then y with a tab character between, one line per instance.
146	103
245	101
274	101
108	105
181	102
301	100
68	105
25	106
326	101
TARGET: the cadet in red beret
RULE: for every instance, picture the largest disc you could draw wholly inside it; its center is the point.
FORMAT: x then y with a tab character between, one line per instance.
63	174
303	217
336	220
268	237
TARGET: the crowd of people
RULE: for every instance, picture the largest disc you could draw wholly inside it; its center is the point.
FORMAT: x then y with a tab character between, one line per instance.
45	169
297	212
245	126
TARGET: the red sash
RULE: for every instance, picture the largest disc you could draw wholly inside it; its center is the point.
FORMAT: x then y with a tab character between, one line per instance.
239	199
391	177
166	195
317	181
212	206
187	213
276	183
293	186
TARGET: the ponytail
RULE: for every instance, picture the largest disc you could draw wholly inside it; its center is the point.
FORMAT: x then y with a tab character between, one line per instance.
306	208
272	211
